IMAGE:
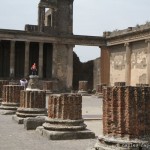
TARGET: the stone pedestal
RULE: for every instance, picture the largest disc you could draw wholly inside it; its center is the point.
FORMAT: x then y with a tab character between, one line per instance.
2	82
32	104
119	84
64	119
83	87
11	98
48	86
126	118
33	83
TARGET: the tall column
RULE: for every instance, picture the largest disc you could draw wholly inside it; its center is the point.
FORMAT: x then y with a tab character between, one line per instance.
41	18
128	64
105	65
41	60
26	67
12	59
148	62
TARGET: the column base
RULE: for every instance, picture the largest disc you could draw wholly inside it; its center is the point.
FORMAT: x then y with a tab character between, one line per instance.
8	108
65	135
111	143
83	93
17	119
31	112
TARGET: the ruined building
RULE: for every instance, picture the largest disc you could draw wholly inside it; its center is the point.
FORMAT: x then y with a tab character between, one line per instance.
125	55
49	44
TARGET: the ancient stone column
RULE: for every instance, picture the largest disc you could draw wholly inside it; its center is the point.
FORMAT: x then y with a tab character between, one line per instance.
32	104
2	82
12	59
148	62
26	67
83	87
126	118
64	119
128	64
40	60
105	65
48	85
11	97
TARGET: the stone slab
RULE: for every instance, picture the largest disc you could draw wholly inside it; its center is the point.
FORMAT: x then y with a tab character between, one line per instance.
17	119
32	123
7	112
65	135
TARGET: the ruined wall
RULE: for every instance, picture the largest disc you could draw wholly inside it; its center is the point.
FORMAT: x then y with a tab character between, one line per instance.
82	72
117	64
138	62
96	72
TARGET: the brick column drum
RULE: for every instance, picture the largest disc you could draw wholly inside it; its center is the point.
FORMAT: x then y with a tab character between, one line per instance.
2	82
11	97
64	119
83	87
120	84
126	118
99	88
32	104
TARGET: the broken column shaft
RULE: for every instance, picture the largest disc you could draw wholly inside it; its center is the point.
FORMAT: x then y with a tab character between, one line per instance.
125	117
64	119
32	104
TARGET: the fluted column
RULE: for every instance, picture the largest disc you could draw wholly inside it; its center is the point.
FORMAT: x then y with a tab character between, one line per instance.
125	117
148	62
26	67
2	82
32	104
40	72
128	65
12	59
11	97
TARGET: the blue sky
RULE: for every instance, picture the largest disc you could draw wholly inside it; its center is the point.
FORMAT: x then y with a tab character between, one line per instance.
91	17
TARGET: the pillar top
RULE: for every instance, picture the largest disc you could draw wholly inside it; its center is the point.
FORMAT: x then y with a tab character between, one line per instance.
126	44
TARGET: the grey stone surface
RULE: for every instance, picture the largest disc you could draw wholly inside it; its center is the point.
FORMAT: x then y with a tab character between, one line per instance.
32	123
17	119
7	112
65	135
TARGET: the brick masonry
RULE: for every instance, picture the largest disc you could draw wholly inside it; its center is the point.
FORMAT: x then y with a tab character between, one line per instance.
83	85
126	111
65	106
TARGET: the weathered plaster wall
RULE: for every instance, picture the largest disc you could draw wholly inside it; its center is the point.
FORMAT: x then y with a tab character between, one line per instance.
138	62
117	64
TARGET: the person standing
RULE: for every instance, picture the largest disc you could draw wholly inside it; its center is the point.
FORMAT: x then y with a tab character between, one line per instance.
34	69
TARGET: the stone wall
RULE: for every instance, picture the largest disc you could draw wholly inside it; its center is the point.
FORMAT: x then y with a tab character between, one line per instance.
117	64
139	63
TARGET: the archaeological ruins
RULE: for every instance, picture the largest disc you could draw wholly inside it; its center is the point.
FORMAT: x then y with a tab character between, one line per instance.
52	101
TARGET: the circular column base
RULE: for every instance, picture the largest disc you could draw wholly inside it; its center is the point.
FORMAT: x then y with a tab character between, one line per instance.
31	112
9	106
64	125
111	143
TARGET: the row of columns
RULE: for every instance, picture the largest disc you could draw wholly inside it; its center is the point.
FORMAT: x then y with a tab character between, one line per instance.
26	67
105	64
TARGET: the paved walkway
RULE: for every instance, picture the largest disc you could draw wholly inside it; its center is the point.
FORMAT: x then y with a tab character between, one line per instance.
15	137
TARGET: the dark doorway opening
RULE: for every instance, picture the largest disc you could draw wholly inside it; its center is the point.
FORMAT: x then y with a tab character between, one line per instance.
4	58
47	60
19	59
33	54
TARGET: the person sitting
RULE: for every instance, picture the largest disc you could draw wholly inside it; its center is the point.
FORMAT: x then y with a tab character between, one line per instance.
23	82
34	69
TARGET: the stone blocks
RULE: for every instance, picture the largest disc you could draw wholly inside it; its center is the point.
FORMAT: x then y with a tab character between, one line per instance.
64	119
125	115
